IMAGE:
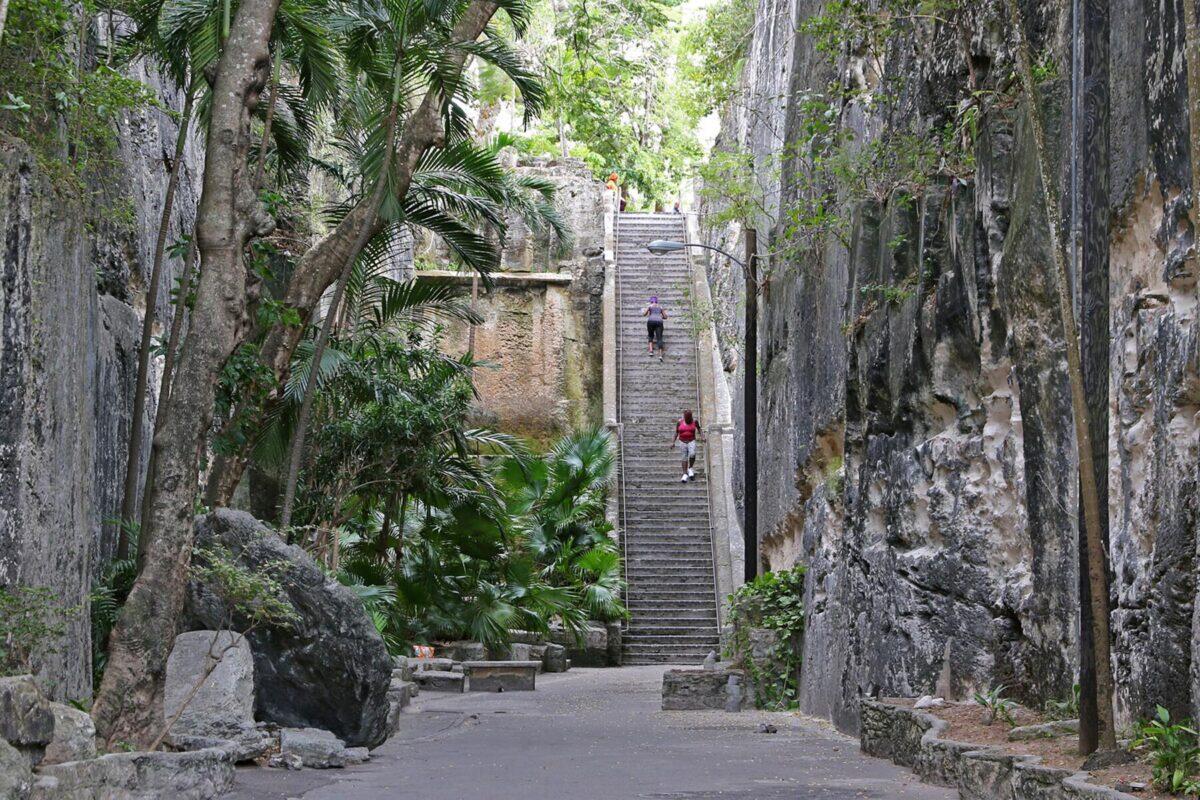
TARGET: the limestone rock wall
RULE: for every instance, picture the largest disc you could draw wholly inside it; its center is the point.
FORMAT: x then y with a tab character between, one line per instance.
541	333
73	275
917	449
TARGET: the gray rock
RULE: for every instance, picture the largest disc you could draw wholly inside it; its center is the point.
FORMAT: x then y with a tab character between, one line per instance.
316	748
15	775
400	695
928	701
462	651
734	696
432	664
355	755
286	761
224	703
710	660
243	746
200	775
294	669
74	736
26	719
1047	730
401	665
554	659
697	689
592	651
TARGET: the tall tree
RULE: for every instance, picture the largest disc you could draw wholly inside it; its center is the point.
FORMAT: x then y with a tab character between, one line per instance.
1089	492
129	704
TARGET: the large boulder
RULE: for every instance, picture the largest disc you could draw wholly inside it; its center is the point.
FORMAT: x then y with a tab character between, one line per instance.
329	669
26	718
74	737
224	703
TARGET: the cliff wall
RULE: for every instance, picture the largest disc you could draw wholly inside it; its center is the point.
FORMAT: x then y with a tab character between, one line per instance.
917	448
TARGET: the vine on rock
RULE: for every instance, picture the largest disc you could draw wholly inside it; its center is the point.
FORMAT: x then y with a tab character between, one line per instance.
768	635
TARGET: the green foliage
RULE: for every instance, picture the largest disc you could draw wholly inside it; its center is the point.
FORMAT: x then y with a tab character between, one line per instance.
522	547
62	103
1173	750
775	601
108	595
250	598
31	623
712	54
995	705
1067	708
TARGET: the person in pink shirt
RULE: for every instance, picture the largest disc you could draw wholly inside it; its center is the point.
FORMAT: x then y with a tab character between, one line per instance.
687	431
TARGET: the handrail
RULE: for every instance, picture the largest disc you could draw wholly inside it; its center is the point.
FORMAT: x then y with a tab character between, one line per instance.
708	471
620	420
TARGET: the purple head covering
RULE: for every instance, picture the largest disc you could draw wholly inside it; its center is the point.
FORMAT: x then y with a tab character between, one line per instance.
654	299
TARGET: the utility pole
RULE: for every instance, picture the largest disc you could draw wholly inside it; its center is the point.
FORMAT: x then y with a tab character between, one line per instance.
750	409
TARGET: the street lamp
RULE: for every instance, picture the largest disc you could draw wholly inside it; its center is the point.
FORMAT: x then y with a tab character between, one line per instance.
660	247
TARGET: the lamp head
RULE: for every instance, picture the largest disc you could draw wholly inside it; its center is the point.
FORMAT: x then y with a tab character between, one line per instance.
660	247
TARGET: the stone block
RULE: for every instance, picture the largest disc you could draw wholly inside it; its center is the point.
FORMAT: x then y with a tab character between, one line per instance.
26	719
400	695
329	670
224	704
432	664
317	748
462	651
1047	730
198	775
74	736
501	676
521	651
592	651
401	664
247	745
439	681
554	659
696	689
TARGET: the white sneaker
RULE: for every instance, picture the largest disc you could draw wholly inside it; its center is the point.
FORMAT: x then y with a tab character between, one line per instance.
691	473
684	479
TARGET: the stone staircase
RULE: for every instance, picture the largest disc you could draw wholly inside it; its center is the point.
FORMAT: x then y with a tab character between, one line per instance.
667	532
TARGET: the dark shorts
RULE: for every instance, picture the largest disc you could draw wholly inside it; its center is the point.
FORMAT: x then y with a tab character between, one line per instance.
654	332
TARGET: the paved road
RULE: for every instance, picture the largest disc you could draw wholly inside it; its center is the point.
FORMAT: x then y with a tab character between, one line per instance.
594	734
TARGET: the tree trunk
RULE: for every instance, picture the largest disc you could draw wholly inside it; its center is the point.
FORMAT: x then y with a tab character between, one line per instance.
164	390
1089	494
378	195
385	530
129	504
750	409
129	706
261	172
321	265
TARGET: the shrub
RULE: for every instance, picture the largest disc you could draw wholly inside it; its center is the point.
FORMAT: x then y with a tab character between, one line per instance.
1174	752
774	601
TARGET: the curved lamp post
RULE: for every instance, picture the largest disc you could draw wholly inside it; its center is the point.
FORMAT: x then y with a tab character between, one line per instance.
660	247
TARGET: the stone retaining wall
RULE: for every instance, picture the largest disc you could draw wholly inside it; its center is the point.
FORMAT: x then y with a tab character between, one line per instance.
912	739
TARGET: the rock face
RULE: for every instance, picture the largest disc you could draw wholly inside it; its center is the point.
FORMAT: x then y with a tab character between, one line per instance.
921	453
699	689
224	703
73	272
74	736
331	670
15	775
542	321
201	775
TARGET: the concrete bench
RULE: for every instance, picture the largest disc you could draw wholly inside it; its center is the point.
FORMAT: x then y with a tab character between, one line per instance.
441	681
501	676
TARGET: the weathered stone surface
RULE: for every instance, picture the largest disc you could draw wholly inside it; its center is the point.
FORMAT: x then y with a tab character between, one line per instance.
554	659
921	453
333	637
440	681
594	649
501	676
200	775
244	745
1046	730
697	689
26	717
74	736
462	651
15	775
431	664
318	749
224	703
